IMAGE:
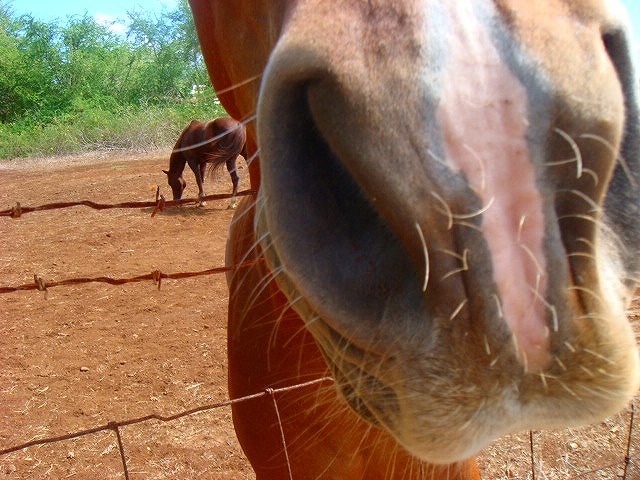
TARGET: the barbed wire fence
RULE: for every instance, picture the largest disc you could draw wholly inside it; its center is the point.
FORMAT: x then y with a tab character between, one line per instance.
157	276
158	205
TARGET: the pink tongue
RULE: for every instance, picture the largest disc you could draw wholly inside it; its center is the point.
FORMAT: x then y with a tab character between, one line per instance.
483	117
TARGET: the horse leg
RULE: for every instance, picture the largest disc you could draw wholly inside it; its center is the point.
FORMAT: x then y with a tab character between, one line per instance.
198	169
233	172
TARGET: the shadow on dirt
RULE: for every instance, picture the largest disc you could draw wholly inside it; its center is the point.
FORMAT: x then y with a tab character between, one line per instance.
188	211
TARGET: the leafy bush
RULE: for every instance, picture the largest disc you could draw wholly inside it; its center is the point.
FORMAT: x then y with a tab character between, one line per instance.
126	128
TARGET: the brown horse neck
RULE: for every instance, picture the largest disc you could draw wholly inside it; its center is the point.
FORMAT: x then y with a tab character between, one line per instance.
177	162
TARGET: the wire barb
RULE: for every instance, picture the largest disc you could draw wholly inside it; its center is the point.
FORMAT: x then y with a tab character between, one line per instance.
40	284
157	277
16	212
160	202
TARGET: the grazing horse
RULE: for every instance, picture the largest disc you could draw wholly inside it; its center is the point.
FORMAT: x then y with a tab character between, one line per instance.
207	143
449	212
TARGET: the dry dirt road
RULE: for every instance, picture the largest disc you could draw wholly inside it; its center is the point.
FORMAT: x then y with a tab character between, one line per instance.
82	356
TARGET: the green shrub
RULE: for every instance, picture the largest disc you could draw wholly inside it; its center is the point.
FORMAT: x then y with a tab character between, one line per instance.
88	128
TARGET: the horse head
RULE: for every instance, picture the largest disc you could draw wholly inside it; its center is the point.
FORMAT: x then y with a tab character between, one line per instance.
448	198
177	183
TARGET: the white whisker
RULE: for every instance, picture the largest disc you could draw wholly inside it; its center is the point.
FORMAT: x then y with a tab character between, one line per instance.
559	362
597	297
447	211
566	388
483	181
458	309
614	153
425	252
544	381
466	216
576	150
600	356
552	309
437	158
594	206
463	268
487	348
235	86
498	305
587	218
523	218
533	258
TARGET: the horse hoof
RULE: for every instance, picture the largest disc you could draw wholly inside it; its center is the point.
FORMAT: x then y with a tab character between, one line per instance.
232	206
201	204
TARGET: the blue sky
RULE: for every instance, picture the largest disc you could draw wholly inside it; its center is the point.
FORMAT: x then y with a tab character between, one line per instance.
633	7
108	12
50	9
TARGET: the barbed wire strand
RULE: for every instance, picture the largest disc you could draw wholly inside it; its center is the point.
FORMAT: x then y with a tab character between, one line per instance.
627	457
115	425
157	276
533	464
158	205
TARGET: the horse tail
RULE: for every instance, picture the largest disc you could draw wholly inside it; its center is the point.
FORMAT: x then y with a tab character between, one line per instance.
227	149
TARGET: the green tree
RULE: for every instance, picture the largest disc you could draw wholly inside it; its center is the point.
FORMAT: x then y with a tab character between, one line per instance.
73	83
91	56
29	65
168	53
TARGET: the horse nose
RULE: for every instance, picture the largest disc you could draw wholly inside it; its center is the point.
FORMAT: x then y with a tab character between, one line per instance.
452	170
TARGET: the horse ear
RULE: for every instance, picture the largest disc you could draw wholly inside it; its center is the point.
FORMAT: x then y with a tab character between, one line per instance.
164	171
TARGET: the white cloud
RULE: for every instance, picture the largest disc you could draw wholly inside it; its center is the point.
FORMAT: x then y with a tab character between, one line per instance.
112	23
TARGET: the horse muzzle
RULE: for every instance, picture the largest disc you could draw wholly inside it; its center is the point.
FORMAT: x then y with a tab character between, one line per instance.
435	198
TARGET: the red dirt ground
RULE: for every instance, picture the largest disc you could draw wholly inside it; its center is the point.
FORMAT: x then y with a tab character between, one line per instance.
82	356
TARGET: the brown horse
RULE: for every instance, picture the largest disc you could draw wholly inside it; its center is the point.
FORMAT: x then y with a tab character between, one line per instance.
203	144
449	210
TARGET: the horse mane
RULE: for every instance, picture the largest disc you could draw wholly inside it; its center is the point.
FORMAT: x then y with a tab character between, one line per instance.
177	160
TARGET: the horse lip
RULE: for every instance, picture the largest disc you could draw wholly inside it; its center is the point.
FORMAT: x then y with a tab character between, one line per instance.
369	396
351	397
